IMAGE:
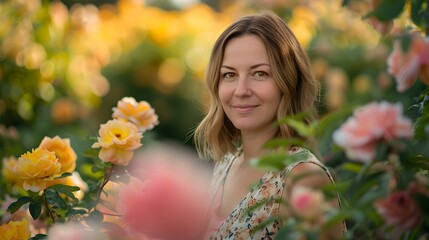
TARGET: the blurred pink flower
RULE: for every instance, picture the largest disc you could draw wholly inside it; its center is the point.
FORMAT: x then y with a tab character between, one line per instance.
165	201
399	209
370	124
307	203
74	231
407	66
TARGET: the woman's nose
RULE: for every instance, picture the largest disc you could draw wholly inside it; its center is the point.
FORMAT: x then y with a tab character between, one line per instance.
242	88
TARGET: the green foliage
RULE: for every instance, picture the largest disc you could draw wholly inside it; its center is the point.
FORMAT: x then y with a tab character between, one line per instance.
388	9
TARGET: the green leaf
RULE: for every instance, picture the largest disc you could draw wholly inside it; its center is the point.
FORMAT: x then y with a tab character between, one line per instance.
270	161
64	188
66	174
74	211
285	142
13	207
420	13
39	236
278	161
388	10
346	2
95	218
91	153
51	195
35	209
352	167
300	127
61	203
334	119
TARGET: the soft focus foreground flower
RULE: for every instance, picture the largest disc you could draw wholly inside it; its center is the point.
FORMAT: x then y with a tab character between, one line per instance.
118	140
72	231
400	210
165	200
307	203
19	230
37	167
139	113
9	170
370	124
62	149
407	66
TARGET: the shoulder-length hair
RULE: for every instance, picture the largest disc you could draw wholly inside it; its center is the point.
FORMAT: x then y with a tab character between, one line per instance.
216	135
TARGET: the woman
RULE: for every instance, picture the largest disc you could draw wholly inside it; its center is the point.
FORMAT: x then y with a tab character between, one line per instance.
258	73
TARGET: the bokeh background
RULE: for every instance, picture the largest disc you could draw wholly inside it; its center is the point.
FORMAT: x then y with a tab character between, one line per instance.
65	64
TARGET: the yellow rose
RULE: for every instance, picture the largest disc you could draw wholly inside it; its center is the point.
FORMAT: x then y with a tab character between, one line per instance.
62	149
9	170
139	113
19	230
117	140
37	167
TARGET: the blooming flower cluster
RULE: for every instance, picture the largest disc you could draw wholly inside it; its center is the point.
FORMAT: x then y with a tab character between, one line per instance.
118	138
38	169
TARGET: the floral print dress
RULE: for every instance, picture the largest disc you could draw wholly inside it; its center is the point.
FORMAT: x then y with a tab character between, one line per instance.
242	223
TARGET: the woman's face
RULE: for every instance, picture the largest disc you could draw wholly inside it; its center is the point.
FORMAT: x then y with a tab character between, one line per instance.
248	92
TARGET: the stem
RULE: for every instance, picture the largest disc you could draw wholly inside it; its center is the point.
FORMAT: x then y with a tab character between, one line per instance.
47	207
105	181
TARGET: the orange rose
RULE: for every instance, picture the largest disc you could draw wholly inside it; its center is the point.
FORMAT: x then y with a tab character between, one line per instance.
139	113
62	149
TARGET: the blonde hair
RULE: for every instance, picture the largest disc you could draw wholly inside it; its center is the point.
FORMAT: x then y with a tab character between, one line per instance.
216	135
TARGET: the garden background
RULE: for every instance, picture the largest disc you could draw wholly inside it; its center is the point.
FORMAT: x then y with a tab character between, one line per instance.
65	64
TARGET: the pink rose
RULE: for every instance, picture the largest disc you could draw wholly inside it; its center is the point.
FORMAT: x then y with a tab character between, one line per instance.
369	125
166	199
399	209
407	66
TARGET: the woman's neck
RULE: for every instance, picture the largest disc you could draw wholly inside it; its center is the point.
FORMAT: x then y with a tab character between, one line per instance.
253	143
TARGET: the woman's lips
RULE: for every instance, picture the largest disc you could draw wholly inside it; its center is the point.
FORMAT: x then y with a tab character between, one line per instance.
244	108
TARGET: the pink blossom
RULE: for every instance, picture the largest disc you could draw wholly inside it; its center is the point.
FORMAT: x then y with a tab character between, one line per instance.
307	203
399	209
407	66
369	125
165	200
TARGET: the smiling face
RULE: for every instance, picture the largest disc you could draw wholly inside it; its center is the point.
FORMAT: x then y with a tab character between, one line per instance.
248	92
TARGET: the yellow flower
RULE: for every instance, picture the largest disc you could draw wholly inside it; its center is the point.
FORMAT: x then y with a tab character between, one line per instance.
9	170
117	140
37	167
19	230
62	149
139	113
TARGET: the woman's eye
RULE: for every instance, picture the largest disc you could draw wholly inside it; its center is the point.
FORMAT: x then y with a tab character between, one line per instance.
260	74
228	75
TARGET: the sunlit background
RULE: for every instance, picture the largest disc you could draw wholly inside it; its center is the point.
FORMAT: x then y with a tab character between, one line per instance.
65	64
